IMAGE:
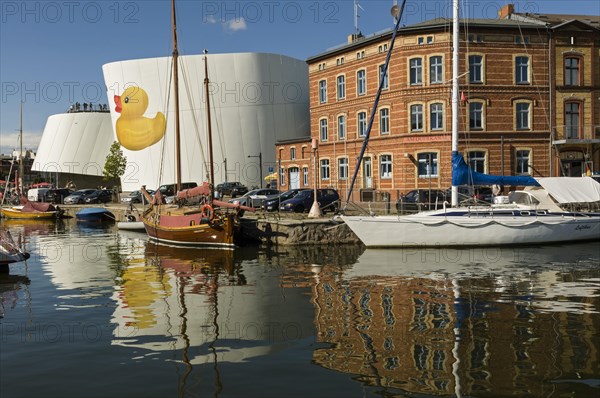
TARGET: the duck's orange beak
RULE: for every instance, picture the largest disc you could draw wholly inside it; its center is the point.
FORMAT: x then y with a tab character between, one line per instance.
118	103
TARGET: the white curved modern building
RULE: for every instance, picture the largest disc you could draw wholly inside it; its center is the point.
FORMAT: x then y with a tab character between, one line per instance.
256	99
75	144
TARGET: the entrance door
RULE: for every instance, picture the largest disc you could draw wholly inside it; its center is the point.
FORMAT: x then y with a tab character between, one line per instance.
294	178
367	173
572	168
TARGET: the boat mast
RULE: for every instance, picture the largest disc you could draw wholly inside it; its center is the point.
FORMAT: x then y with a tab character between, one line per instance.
210	148
21	148
176	89
455	44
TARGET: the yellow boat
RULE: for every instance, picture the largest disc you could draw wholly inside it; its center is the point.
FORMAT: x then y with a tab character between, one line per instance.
31	211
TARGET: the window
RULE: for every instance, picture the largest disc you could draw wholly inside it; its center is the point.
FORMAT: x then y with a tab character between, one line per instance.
416	71
386	82
341	87
385	166
323	130
476	115
428	165
281	177
522	114
362	124
475	69
340	61
292	153
323	91
572	120
322	66
303	152
360	54
384	121
361	82
383	48
305	176
522	162
343	168
572	72
324	169
476	38
436	116
341	127
435	70
429	39
522	70
421	40
521	39
416	117
476	160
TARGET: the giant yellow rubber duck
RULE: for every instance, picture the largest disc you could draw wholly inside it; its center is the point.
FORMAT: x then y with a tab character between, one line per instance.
134	131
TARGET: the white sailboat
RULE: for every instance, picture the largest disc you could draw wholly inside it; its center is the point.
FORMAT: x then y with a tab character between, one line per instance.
532	217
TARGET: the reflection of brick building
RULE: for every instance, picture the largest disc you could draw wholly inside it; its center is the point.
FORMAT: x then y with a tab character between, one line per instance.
505	124
399	333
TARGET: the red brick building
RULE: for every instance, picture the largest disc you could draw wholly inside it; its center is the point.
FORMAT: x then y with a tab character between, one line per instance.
506	122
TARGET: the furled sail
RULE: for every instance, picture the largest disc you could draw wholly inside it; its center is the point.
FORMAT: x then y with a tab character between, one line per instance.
463	175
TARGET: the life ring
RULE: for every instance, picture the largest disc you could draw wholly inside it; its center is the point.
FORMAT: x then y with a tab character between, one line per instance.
207	212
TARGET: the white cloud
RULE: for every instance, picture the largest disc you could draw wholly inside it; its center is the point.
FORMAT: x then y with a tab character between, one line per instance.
234	25
9	141
210	19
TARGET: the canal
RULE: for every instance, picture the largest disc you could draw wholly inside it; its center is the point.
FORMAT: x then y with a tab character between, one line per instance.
98	312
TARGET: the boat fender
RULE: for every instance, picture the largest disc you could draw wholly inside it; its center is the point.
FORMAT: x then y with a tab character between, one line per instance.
207	212
130	218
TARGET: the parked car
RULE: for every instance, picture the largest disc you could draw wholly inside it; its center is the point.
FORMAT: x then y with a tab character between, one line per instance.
421	199
328	199
170	189
99	196
232	189
78	196
136	197
57	196
255	197
271	202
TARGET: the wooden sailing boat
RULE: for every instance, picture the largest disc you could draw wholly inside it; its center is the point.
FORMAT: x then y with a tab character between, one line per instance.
211	222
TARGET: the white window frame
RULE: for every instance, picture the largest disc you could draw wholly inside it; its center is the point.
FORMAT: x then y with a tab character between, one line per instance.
436	70
436	116
384	120
340	87
323	91
323	129
324	169
361	82
414	116
341	123
342	168
361	122
427	157
385	166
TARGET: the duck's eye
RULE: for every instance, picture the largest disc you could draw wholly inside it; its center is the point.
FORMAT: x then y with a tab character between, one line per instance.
126	100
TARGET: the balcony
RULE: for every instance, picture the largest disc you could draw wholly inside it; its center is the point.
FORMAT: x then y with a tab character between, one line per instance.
568	134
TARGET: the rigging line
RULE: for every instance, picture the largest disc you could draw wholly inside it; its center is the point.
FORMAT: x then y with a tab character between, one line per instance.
164	140
193	108
382	79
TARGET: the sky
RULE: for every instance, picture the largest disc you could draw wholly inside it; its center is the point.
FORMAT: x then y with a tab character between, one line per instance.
52	52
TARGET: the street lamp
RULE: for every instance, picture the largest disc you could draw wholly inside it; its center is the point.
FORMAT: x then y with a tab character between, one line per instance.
259	165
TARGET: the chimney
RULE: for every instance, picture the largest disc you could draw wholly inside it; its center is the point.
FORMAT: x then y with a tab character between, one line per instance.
506	11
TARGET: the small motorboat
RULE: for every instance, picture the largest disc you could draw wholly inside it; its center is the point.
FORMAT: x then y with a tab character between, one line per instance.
32	211
95	214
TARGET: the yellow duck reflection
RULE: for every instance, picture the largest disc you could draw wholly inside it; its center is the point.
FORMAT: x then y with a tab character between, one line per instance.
134	131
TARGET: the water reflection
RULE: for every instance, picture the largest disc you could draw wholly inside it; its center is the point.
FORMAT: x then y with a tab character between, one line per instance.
462	322
9	288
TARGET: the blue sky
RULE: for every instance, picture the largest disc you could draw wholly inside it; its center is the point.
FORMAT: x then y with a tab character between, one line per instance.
52	52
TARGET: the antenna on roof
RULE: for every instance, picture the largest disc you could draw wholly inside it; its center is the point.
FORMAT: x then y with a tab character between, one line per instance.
356	16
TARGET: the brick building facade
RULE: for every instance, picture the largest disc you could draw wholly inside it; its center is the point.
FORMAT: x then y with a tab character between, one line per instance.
506	118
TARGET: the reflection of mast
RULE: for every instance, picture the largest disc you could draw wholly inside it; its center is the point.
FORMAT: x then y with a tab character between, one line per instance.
457	315
185	337
218	383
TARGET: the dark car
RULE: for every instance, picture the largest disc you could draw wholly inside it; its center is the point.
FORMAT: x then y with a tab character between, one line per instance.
170	189
99	196
421	199
57	196
271	202
136	197
255	197
232	189
328	199
78	196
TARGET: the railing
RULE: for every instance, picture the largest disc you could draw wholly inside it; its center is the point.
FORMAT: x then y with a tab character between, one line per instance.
576	132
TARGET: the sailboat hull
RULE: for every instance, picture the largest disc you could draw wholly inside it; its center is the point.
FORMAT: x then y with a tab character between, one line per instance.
434	229
174	226
17	214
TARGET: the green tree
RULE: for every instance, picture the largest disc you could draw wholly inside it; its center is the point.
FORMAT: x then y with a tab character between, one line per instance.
115	164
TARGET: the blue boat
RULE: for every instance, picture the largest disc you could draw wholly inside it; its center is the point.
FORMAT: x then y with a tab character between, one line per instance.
95	214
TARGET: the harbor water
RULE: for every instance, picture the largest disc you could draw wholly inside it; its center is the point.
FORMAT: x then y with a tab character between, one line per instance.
98	312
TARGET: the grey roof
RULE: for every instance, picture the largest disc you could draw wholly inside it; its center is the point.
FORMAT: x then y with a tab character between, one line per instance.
559	19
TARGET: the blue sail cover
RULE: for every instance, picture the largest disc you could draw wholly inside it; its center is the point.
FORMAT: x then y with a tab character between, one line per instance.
463	175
